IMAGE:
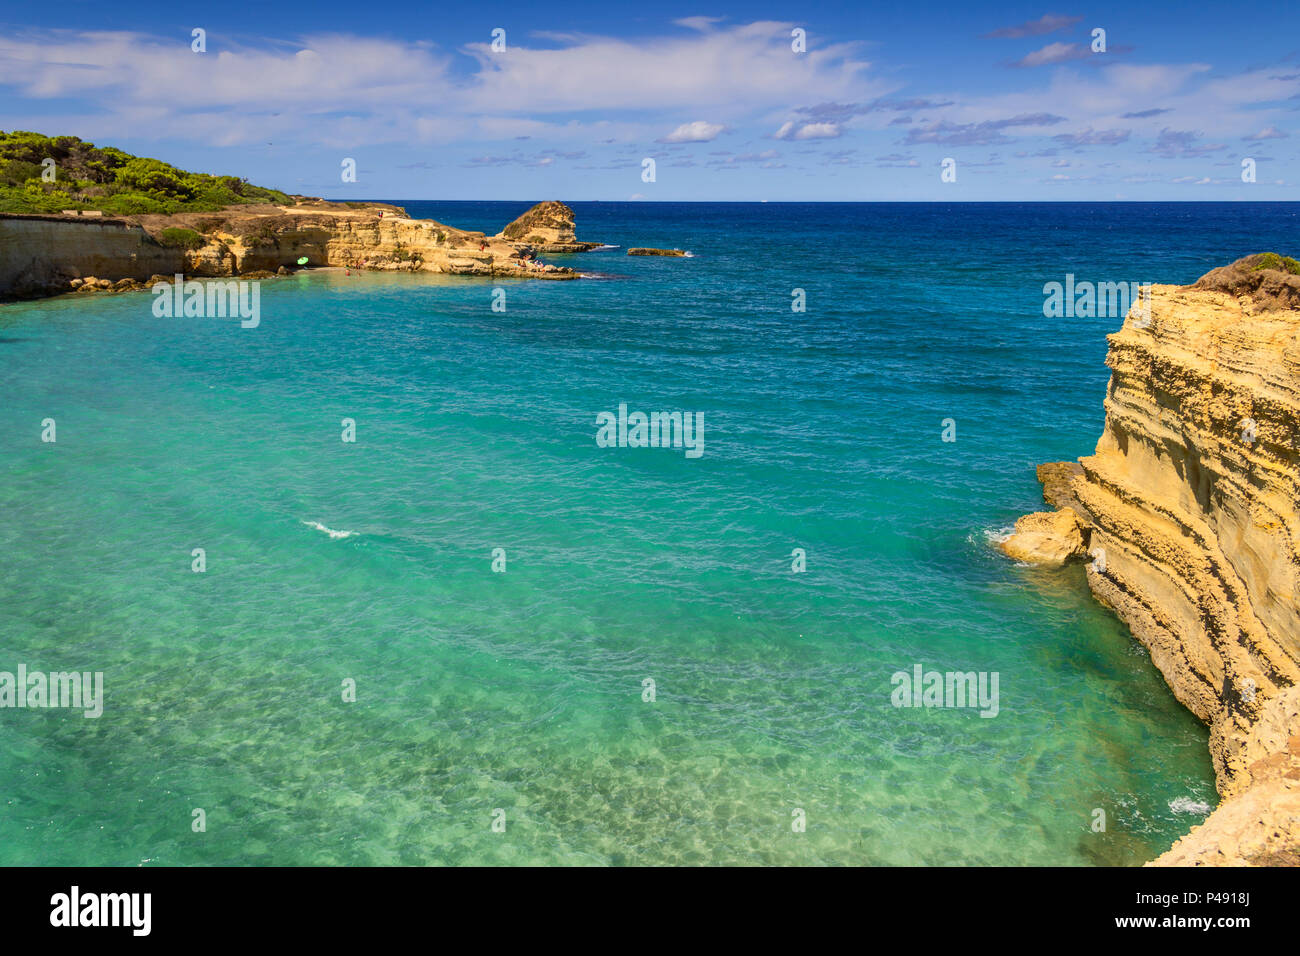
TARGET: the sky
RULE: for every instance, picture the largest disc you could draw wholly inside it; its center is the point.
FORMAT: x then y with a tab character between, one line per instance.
1172	101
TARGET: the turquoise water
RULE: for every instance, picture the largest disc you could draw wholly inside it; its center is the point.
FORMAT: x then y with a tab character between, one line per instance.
522	690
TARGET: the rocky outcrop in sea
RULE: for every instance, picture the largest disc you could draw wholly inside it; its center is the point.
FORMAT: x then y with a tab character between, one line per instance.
546	227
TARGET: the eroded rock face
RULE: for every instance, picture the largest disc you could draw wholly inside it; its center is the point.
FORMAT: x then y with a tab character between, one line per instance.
1046	537
1193	499
1056	478
1192	493
370	236
1260	826
547	227
43	255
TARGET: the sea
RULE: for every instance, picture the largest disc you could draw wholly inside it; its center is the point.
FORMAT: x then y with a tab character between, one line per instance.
364	587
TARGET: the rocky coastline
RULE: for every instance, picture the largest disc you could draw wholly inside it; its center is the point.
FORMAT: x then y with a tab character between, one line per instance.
1188	514
43	255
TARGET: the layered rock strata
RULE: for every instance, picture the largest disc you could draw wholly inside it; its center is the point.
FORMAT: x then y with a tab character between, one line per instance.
1189	514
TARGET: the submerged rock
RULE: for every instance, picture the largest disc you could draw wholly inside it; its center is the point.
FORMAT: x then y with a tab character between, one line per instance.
645	251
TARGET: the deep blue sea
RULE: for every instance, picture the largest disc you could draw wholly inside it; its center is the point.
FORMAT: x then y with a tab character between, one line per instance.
507	716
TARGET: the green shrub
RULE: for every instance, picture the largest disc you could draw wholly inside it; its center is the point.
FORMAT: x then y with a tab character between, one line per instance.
154	178
181	238
133	204
35	198
1271	260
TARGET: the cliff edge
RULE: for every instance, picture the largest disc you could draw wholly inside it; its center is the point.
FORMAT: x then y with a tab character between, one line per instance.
1189	512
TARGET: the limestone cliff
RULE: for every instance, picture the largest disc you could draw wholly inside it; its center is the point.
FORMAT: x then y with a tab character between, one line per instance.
369	236
1190	510
547	227
44	255
39	255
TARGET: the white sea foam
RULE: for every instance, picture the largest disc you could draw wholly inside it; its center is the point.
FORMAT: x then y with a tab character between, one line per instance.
994	538
330	531
689	255
1188	805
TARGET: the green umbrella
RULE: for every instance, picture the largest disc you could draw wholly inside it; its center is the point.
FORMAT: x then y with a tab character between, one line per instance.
302	261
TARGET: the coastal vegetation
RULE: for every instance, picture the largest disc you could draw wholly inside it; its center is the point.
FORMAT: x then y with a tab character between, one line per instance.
1271	260
48	174
1272	280
181	238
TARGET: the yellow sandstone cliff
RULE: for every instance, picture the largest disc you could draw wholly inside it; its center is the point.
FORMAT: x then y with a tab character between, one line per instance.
45	255
369	236
39	255
1189	511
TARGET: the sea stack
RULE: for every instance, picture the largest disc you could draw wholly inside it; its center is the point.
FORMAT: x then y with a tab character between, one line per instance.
547	227
1188	510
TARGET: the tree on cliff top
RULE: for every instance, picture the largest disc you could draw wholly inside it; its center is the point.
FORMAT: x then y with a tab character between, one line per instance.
87	176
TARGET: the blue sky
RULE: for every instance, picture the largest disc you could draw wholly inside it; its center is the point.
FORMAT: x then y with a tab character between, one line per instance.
712	92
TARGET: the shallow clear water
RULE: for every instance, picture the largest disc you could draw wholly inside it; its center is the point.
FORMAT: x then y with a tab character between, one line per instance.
523	690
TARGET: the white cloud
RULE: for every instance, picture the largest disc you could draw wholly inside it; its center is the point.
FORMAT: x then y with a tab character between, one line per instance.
137	86
818	131
326	72
788	130
333	91
1095	100
703	24
1053	53
1268	132
697	132
742	67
